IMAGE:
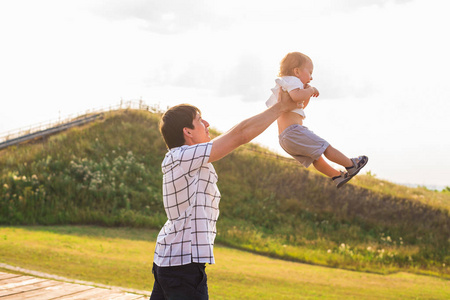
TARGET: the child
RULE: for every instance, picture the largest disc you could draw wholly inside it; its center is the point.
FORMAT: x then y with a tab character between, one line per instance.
297	140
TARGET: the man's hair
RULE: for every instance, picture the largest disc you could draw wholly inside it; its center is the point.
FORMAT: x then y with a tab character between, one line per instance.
174	120
291	61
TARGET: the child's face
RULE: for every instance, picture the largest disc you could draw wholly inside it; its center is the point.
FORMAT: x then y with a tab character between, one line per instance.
304	73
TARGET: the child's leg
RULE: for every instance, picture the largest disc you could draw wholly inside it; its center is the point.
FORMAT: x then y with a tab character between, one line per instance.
337	157
323	167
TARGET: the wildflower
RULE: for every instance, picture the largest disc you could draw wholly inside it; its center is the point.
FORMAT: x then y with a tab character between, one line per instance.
5	186
369	248
34	177
329	251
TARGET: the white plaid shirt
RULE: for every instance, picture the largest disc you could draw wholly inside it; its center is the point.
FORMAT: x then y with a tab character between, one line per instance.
191	200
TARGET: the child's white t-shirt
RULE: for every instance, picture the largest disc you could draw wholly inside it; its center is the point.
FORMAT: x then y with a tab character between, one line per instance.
287	83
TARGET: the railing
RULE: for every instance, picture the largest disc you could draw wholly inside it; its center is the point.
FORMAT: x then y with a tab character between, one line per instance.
16	136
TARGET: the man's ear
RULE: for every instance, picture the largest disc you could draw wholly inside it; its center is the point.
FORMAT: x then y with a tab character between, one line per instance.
187	131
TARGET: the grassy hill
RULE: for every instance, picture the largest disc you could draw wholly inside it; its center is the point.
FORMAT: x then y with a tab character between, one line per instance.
108	173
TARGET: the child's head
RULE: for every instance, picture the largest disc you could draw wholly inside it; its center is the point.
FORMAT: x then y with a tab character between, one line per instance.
296	63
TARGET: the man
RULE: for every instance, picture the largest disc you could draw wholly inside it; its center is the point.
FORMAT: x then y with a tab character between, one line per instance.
191	197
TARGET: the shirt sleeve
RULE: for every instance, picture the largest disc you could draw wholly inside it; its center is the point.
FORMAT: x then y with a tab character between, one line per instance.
289	83
195	156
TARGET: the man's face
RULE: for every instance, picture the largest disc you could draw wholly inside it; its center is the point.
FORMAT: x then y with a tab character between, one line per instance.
200	133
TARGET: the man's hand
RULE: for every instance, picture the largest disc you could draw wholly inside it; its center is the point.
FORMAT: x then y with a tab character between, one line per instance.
285	99
250	128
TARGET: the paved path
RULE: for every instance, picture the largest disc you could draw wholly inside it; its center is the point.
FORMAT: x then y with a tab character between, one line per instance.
16	286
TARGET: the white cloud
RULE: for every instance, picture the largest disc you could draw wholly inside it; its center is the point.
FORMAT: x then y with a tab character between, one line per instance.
165	17
388	59
357	4
245	79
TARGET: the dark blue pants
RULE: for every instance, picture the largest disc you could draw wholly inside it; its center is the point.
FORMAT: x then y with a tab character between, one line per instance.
184	282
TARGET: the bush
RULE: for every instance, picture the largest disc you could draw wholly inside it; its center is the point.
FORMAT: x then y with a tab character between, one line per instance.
108	173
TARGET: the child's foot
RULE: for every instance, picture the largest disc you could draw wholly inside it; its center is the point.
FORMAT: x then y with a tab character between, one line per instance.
358	164
341	179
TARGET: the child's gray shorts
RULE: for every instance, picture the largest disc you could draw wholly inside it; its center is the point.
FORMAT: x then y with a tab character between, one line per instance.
302	144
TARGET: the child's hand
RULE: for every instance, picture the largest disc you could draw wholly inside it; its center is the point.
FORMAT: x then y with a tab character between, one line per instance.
315	91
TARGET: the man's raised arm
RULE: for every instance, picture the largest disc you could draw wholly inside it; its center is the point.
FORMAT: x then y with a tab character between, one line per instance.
250	128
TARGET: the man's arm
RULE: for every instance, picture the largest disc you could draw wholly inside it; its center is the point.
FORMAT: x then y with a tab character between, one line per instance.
250	128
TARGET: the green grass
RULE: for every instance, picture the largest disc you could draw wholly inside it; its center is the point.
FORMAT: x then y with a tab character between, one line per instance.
123	257
108	173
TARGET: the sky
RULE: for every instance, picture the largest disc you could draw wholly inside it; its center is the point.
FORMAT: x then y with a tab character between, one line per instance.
381	67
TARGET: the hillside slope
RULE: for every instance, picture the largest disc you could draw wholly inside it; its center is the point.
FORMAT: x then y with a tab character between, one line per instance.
108	173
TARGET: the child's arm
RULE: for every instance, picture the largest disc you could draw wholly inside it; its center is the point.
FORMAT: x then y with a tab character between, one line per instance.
315	94
303	95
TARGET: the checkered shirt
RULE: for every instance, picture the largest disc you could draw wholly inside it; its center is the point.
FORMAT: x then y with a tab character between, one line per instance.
191	200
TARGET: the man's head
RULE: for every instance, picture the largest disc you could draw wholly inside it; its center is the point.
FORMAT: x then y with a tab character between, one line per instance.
182	125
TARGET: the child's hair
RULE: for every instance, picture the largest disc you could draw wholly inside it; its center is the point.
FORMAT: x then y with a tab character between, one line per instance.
291	61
